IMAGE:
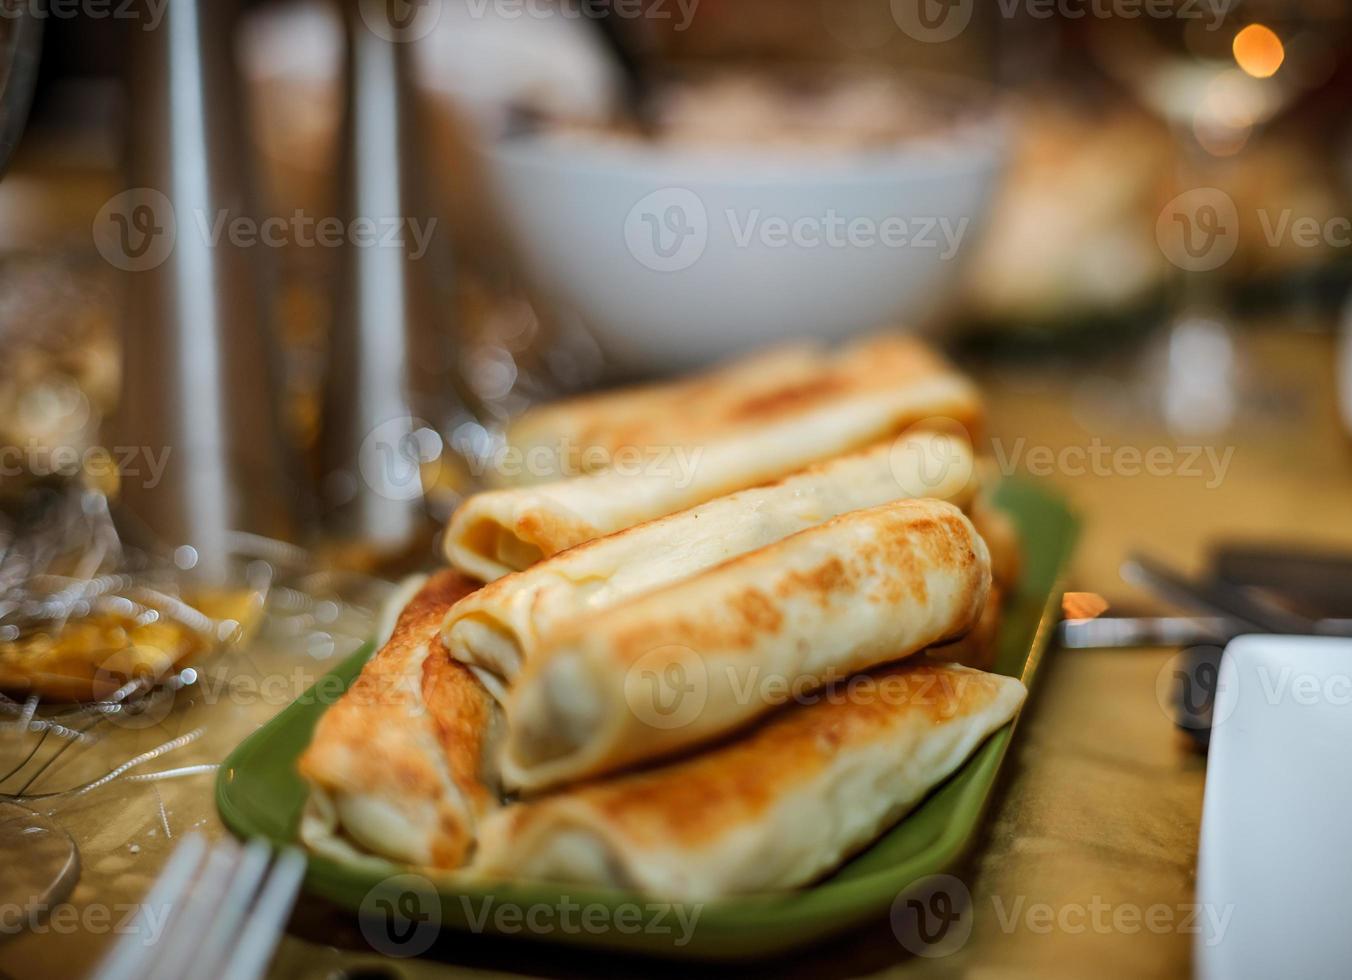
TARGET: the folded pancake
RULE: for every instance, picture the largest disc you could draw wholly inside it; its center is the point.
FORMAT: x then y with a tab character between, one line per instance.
683	455
774	808
692	661
401	765
581	435
498	627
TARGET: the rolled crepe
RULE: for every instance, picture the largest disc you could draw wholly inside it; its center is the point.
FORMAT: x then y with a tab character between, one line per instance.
859	396
498	627
581	435
774	808
401	765
694	660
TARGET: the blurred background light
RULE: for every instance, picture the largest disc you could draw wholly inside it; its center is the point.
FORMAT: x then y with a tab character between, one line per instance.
1258	51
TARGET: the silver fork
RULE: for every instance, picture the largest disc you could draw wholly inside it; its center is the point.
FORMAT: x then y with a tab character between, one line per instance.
216	911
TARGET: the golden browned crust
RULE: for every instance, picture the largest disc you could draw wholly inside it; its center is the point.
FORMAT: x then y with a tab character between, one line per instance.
743	434
463	715
735	399
552	533
375	740
872	585
628	416
442	590
698	798
906	537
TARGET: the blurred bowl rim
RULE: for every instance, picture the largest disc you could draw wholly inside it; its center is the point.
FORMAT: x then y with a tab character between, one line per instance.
963	147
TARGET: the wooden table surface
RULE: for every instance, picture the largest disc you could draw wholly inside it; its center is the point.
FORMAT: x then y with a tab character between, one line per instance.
1088	859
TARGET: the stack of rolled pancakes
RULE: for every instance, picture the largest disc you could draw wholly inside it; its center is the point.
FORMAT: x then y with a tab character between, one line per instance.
693	669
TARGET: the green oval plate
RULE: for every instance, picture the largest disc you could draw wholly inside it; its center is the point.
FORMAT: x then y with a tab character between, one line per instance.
259	794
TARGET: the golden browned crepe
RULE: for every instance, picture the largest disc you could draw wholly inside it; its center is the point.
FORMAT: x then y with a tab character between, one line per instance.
691	661
774	808
401	766
579	435
737	435
501	625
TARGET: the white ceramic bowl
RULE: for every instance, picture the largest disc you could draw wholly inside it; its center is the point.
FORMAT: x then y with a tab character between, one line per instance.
676	258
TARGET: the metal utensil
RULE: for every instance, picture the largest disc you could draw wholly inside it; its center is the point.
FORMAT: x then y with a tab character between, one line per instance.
20	48
200	367
386	388
1213	596
222	910
1142	631
1107	632
1344	368
1197	674
1320	581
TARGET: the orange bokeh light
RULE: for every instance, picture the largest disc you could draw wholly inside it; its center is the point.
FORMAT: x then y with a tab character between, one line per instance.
1258	51
1083	605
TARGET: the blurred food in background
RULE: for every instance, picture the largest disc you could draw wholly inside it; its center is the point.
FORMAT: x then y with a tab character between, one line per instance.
1069	139
1073	233
59	372
815	109
1073	229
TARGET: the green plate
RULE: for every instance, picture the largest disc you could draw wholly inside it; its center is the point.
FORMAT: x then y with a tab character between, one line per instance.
260	795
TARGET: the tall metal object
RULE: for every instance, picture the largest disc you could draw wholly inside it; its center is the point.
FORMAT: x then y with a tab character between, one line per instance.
20	48
387	388
200	367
